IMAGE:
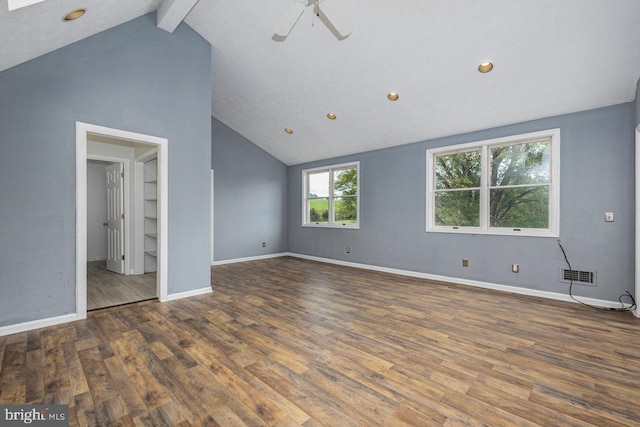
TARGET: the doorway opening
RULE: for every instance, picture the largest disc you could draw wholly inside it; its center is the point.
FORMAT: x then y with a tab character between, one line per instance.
113	280
123	250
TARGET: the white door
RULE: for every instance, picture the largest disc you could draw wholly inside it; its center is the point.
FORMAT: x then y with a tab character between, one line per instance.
115	218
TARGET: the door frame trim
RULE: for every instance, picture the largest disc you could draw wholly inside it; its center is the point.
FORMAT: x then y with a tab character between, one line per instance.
636	133
83	130
212	214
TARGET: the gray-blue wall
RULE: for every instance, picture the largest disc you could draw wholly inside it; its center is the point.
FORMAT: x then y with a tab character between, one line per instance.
250	197
134	77
597	176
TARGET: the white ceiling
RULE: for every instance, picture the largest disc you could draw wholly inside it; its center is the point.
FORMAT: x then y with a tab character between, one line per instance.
551	57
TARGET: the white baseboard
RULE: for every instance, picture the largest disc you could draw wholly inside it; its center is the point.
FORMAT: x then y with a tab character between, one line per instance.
187	294
468	282
36	324
250	258
52	321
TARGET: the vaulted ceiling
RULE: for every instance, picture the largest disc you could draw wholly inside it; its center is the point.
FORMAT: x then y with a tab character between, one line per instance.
550	57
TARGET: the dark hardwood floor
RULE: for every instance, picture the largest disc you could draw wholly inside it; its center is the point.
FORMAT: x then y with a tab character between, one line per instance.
286	342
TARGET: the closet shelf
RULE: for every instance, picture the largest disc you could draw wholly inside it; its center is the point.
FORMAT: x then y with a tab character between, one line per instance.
150	212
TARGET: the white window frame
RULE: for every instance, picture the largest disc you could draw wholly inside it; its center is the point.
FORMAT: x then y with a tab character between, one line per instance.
305	193
484	146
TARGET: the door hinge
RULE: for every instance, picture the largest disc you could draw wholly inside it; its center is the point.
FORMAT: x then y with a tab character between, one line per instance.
123	257
122	216
121	174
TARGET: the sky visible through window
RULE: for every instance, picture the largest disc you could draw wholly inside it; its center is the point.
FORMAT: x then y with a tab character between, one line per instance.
319	184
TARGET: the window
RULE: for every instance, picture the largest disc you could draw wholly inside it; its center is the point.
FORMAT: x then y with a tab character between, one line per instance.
500	186
331	196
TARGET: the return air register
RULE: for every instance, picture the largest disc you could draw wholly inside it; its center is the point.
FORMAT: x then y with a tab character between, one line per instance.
579	277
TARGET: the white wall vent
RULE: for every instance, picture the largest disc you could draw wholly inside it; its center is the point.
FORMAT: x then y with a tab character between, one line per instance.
579	277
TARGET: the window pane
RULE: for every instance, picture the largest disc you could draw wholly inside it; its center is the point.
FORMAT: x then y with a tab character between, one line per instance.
345	210
457	208
523	207
319	210
319	184
520	164
345	182
458	170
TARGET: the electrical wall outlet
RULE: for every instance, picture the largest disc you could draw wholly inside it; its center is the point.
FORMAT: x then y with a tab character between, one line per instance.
348	250
608	217
515	268
465	263
264	244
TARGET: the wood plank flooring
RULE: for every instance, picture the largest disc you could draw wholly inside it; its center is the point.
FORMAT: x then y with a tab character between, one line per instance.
286	342
108	289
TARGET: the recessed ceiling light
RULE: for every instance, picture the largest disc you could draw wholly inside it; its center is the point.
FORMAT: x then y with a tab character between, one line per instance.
289	131
331	116
72	16
393	96
485	67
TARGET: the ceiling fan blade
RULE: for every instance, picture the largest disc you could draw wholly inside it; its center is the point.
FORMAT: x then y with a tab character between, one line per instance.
289	19
333	16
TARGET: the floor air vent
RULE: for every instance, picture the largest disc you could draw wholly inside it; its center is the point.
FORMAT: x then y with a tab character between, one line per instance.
579	277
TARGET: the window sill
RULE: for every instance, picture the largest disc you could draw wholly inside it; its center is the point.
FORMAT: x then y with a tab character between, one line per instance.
493	232
341	226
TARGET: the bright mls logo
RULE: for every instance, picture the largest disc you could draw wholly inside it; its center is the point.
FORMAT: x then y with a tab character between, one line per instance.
39	415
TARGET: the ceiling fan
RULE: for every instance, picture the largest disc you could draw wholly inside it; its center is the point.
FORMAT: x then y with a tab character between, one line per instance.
326	10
